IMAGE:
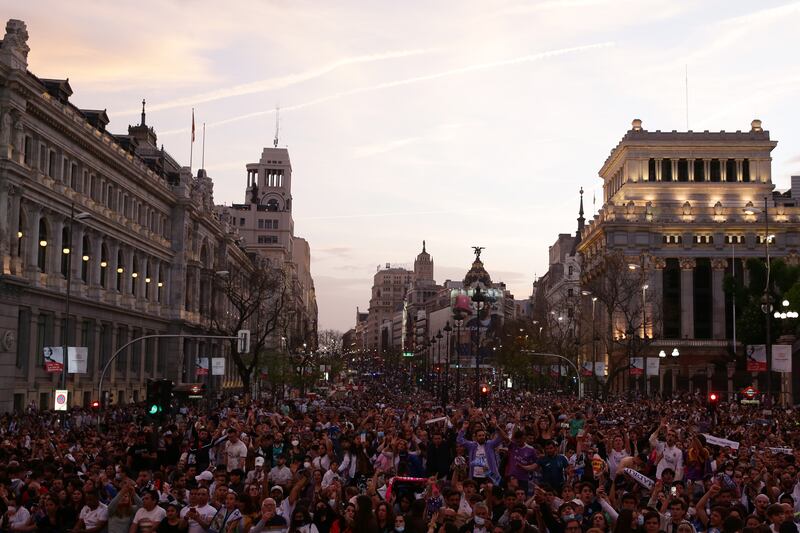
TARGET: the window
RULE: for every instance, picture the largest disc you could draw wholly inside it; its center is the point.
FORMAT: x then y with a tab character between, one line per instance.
66	251
267	239
730	170
275	224
683	170
760	239
716	170
260	223
120	269
87	338
122	340
734	239
103	265
746	170
272	205
28	150
651	170
704	239
666	170
569	293
699	170
23	337
241	222
42	244
672	239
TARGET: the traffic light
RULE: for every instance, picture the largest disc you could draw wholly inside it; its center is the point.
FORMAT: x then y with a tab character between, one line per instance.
159	396
713	401
95	405
485	390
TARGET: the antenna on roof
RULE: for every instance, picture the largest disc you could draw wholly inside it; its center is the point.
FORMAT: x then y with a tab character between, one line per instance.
686	75
277	126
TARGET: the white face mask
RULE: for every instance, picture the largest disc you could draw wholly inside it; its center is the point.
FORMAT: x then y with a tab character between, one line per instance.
306	465
295	442
479	521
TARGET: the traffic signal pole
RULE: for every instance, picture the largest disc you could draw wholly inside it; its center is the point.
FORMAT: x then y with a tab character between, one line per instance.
162	336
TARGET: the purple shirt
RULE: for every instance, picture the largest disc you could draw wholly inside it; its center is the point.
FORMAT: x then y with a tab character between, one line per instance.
520	455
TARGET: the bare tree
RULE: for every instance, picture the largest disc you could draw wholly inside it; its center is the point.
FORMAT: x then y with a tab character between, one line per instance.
256	300
329	341
627	322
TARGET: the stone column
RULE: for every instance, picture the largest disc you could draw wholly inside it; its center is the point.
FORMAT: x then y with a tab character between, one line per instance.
34	217
718	267
738	170
658	169
76	252
657	292
141	285
687	297
707	169
723	170
126	276
690	163
111	269
95	256
57	230
155	274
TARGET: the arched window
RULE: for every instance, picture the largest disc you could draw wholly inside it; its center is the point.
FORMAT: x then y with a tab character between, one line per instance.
160	285
147	281
120	269
20	234
66	251
272	205
85	256
103	265
42	242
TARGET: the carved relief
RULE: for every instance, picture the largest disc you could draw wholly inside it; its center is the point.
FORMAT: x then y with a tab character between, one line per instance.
688	263
719	263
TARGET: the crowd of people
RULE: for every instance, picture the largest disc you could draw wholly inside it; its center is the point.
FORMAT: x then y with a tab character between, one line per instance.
384	459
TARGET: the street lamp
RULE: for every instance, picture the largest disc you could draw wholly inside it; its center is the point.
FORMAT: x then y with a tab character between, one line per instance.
478	298
446	392
766	299
439	360
67	249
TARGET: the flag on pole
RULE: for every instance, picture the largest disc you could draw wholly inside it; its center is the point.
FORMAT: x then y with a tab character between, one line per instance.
192	124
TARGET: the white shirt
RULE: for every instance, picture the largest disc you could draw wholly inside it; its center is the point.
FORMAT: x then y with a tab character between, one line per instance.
92	518
206	513
235	454
19	518
480	466
151	519
280	475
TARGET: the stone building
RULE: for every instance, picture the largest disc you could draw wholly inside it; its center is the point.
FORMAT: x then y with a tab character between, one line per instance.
686	210
266	225
389	287
114	222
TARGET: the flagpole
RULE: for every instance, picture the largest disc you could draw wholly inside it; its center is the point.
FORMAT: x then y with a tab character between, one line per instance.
203	156
191	145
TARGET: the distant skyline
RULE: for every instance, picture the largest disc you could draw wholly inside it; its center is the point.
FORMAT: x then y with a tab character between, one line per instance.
459	122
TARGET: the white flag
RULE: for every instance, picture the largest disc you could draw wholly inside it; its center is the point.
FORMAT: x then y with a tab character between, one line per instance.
653	364
782	358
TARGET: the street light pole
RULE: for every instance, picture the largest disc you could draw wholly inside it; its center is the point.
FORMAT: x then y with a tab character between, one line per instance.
446	391
67	250
478	297
459	323
768	303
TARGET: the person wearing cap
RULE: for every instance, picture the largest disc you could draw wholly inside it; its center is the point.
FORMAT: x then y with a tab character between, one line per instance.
257	474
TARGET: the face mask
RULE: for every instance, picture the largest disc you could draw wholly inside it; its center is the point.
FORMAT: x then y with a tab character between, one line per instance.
295	442
400	529
332	503
306	465
479	521
640	520
515	524
567	517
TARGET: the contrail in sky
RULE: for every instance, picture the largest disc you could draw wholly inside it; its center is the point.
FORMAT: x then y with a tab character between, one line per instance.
408	81
270	84
375	215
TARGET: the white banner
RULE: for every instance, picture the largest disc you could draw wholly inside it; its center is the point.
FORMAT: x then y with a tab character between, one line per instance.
77	356
217	366
782	358
756	358
653	366
202	366
718	441
789	451
599	369
640	478
60	400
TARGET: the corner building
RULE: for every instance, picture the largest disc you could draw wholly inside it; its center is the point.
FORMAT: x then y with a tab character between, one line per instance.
140	257
675	205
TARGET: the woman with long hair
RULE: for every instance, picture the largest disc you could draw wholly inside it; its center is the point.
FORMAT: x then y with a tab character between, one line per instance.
122	508
301	522
625	522
324	517
344	524
364	520
385	517
51	520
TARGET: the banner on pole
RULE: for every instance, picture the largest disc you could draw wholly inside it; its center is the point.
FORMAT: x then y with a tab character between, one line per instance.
653	366
599	369
53	359
756	358
782	358
554	369
202	366
60	400
637	366
586	368
218	366
77	356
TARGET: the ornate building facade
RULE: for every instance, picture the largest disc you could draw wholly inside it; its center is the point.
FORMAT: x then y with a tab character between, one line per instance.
114	224
686	209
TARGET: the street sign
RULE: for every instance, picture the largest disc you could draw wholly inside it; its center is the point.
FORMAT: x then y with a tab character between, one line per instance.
749	392
61	400
244	340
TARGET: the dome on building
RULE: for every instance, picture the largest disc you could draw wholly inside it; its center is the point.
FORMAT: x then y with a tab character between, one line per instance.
477	274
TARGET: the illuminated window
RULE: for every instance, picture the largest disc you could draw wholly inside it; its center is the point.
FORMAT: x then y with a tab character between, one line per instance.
734	239
704	239
672	239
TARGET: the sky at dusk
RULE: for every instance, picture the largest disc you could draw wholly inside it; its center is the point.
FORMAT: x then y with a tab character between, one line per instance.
459	122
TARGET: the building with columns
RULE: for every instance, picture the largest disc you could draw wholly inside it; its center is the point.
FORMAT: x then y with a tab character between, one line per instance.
687	209
116	221
265	223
